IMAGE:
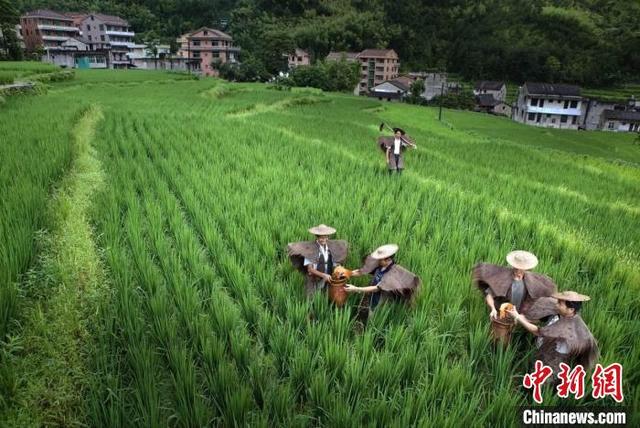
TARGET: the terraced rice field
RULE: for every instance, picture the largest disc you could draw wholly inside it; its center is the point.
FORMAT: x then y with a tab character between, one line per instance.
191	314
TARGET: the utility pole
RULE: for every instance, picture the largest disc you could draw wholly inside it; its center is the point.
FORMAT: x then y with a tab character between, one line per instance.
441	95
189	54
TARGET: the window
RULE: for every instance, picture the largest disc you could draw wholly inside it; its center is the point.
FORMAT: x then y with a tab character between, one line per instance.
215	54
89	38
101	27
534	102
102	38
532	116
196	54
553	120
88	27
574	119
610	125
548	116
574	104
196	43
539	118
541	104
299	59
214	43
566	104
563	118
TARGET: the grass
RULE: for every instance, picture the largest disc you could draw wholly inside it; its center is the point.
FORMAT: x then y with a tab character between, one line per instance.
206	323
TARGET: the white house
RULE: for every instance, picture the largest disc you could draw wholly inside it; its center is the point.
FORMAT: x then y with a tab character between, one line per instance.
549	105
497	89
621	121
389	90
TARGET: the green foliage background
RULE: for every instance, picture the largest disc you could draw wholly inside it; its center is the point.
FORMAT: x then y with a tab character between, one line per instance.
591	42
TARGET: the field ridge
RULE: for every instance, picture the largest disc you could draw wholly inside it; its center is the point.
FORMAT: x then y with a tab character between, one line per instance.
63	291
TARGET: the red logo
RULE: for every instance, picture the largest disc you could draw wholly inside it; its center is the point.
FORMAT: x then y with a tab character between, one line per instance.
536	379
571	381
608	381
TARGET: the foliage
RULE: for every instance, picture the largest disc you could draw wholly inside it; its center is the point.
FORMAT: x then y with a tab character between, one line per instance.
590	42
462	100
341	76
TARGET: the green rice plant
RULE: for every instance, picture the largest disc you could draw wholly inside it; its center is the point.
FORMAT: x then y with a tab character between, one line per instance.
205	189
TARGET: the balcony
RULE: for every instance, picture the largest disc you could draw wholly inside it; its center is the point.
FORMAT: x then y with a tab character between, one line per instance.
58	28
214	48
55	38
120	33
127	45
555	110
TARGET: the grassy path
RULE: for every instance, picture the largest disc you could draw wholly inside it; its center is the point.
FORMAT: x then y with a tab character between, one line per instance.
63	291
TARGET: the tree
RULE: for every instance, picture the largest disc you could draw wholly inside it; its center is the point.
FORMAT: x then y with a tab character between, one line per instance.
9	18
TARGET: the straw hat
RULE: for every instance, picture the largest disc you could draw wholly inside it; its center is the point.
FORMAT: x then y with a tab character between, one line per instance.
571	296
322	230
384	252
522	260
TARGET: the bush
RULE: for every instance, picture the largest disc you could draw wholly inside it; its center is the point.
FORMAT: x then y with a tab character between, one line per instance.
456	100
329	76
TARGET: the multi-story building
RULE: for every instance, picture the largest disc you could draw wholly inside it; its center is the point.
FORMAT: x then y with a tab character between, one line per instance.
47	29
377	66
206	45
107	33
549	105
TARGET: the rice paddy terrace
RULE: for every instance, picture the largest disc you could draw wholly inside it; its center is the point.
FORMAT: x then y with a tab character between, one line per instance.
144	282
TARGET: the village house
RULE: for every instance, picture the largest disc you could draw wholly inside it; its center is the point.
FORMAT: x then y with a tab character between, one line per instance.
392	90
497	89
621	121
48	30
489	104
343	55
106	33
376	66
549	105
206	45
297	58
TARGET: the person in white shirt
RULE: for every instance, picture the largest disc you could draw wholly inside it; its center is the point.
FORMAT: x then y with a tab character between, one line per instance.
317	259
394	148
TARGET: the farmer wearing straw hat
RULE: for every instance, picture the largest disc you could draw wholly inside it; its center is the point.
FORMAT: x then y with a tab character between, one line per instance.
565	338
317	259
515	285
390	280
394	147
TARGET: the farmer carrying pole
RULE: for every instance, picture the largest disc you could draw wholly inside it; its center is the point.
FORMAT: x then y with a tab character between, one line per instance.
390	282
317	259
516	286
565	338
393	148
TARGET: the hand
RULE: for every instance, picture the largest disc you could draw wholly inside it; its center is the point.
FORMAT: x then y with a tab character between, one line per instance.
493	314
327	277
513	312
350	288
356	272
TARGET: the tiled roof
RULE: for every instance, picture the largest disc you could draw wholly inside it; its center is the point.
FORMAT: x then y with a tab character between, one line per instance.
489	85
46	13
553	89
378	53
622	115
